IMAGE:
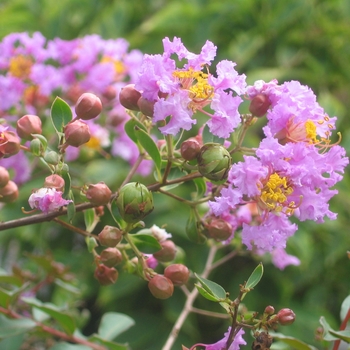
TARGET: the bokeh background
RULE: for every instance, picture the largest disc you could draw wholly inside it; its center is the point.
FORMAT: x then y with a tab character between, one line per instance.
305	40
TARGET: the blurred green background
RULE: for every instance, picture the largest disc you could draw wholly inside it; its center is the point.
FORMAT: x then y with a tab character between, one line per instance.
305	40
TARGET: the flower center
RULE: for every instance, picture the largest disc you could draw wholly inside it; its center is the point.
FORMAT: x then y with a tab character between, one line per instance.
20	66
119	66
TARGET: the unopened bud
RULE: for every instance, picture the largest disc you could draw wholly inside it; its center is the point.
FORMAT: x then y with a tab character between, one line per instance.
167	253
4	176
110	236
54	181
269	310
98	194
9	193
10	144
52	157
106	275
76	133
219	229
88	106
259	105
129	96
110	93
177	273
28	125
146	106
161	287
285	317
111	257
190	149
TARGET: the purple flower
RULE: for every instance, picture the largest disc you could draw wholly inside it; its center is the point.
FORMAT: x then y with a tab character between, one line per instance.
47	200
281	259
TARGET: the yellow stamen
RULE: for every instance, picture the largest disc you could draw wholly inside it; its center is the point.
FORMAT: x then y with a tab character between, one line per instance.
20	66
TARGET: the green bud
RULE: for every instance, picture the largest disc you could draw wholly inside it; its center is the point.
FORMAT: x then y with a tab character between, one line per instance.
214	162
52	157
134	202
36	147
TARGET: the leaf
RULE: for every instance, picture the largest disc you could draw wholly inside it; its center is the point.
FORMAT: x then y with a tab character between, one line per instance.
89	219
209	137
345	307
67	346
200	186
295	343
129	128
67	286
146	243
193	233
61	114
205	293
255	277
7	297
10	327
109	344
67	183
212	287
326	328
10	279
114	323
70	211
66	321
343	335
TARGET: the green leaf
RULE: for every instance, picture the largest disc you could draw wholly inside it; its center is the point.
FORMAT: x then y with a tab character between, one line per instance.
296	344
42	140
255	277
149	145
89	219
67	183
14	342
91	243
174	174
70	211
343	335
10	279
209	137
212	287
129	128
7	297
10	327
146	243
326	330
67	346
205	294
67	286
345	307
109	344
200	186
66	321
61	114
193	232
114	323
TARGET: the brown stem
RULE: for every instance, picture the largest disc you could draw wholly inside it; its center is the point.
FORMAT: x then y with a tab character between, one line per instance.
74	228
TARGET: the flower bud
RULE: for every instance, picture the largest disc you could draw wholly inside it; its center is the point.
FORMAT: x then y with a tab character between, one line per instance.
110	93
98	194
28	125
110	236
177	273
106	275
54	181
52	157
219	229
76	133
190	149
146	106
111	257
10	144
259	105
214	162
9	193
88	106
269	310
4	176
161	287
262	341
134	202
129	96
167	253
285	317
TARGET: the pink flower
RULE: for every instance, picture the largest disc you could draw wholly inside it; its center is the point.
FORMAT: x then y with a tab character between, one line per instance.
47	200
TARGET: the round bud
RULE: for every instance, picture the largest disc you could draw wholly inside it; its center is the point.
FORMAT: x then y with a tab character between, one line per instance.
10	144
177	273
259	105
214	162
190	149
269	310
146	106
285	317
52	157
106	275
9	193
129	96
4	176
167	253
98	194
134	202
88	106
54	181
28	125
111	257
161	287
76	133
110	93
219	229
110	236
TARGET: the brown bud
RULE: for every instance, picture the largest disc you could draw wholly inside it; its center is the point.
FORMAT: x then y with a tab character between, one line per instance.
106	275
4	176
9	193
98	194
129	96
177	273
269	310
88	106
54	181
167	253
219	229
259	105
161	287
10	144
286	317
28	125
110	93
146	106
76	133
110	236
111	257
190	149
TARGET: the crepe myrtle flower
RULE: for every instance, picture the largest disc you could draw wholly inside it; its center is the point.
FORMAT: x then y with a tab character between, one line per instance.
180	92
47	200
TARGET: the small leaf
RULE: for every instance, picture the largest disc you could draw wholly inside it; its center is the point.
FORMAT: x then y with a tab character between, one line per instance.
146	243
61	114
67	184
67	346
10	279
91	243
149	145
129	128
67	286
205	294
109	344
10	327
345	307
212	287
255	277
89	219
293	342
209	137
114	323
200	186
7	297
193	232
343	335
70	211
326	330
